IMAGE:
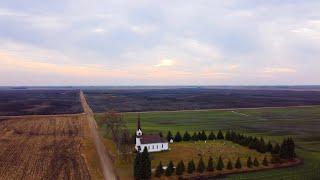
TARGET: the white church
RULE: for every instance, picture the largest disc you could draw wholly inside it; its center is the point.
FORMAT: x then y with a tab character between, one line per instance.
153	142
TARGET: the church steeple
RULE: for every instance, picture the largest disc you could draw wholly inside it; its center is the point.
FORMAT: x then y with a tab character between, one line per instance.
138	122
139	131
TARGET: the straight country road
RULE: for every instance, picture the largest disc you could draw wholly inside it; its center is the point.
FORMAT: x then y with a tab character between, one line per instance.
105	161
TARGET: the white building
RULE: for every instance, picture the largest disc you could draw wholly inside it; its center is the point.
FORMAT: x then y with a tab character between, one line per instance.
153	142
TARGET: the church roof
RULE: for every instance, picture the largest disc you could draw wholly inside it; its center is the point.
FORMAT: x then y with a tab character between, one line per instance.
151	138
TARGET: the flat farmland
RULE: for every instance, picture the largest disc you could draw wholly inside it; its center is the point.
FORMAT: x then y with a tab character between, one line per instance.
274	124
137	100
39	102
47	147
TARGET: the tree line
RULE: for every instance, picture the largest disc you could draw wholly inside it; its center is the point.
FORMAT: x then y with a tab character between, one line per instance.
142	166
284	151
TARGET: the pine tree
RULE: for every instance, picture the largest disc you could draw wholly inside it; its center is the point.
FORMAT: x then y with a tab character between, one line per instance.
284	151
276	149
159	170
137	169
210	164
220	135
169	136
220	164
170	169
146	164
180	168
160	134
204	136
178	137
265	161
186	136
269	147
191	167
199	136
291	148
211	136
249	162
195	137
256	162
229	165
238	164
228	136
201	166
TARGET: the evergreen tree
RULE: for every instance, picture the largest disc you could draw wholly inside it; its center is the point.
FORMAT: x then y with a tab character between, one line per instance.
284	150
195	137
265	161
210	164
159	170
170	169
220	135
201	166
186	136
199	136
169	136
211	136
249	162
204	136
256	162
191	167
146	164
262	147
229	165
238	164
137	167
291	148
228	136
276	149
220	164
180	168
269	147
160	134
178	137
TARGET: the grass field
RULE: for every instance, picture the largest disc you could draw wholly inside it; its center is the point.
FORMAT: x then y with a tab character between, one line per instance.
302	123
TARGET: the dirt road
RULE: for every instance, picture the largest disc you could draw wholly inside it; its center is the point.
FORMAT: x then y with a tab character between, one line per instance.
105	161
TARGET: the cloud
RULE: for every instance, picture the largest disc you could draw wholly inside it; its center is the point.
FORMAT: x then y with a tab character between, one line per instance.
165	62
279	70
98	30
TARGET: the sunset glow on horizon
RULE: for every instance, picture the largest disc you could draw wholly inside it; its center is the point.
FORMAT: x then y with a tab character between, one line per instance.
159	43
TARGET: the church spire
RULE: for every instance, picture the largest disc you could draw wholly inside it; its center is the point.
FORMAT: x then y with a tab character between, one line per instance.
138	122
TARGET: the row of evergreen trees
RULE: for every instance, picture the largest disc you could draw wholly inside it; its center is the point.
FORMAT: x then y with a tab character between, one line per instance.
286	150
197	136
201	167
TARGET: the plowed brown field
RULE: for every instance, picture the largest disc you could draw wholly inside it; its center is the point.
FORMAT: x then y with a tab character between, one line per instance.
43	147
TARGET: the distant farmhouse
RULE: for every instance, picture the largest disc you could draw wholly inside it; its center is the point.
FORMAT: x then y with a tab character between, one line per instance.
153	142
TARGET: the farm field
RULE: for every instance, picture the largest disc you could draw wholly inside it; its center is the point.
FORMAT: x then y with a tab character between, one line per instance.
301	123
137	100
15	102
47	147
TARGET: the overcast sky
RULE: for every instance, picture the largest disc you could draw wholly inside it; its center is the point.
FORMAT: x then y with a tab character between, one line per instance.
231	42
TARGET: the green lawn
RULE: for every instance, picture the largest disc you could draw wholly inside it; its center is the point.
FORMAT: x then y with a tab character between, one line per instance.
302	123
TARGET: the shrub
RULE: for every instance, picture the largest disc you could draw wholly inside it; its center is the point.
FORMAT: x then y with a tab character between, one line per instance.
256	162
249	162
265	161
210	164
170	169
220	135
191	167
238	164
220	164
229	165
201	167
159	170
